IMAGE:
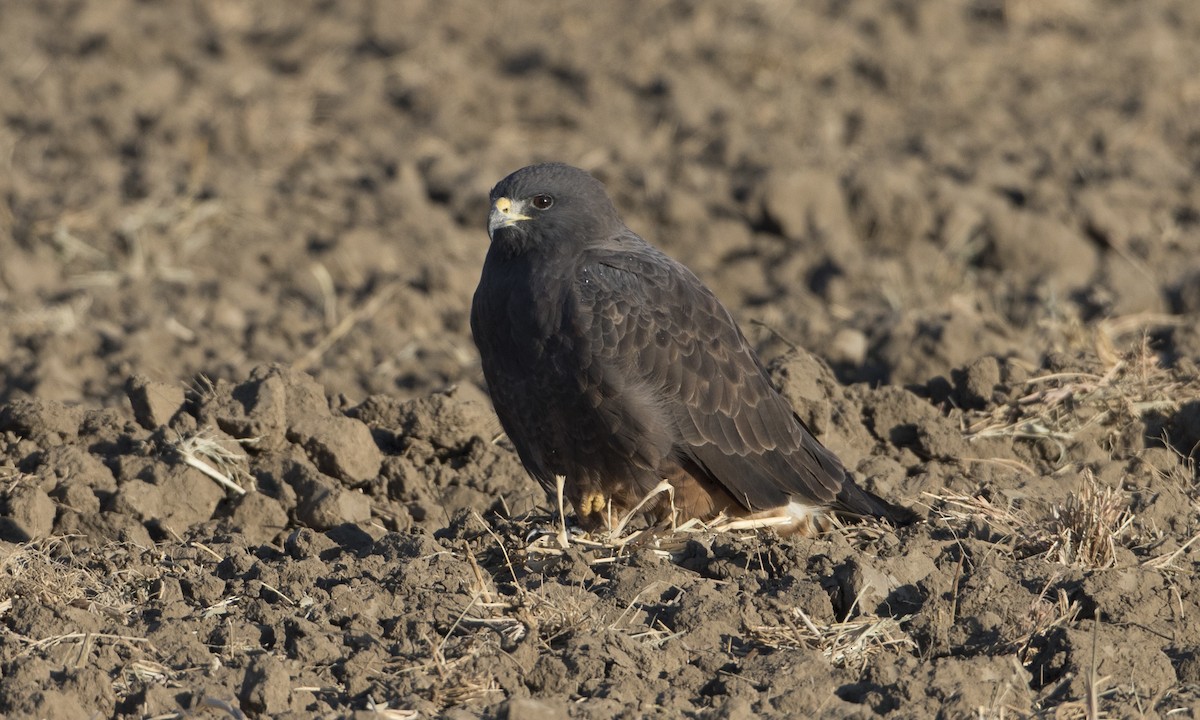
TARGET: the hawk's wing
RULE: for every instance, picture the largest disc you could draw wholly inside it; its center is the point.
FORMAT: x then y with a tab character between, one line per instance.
642	316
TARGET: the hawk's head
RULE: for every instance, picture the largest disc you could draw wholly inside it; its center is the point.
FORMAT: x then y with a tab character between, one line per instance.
550	206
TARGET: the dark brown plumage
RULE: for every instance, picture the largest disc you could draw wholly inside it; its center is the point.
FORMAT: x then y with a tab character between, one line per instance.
612	365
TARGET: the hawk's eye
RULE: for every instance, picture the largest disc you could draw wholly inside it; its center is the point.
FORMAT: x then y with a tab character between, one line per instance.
542	202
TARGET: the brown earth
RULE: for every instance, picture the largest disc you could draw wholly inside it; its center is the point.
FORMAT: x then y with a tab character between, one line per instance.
982	218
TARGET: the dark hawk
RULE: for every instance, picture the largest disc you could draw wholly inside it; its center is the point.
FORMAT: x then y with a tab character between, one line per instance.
612	367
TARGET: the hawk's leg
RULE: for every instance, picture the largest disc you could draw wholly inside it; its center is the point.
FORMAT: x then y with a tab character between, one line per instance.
559	482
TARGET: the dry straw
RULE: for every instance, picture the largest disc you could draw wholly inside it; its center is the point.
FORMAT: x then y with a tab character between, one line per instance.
848	644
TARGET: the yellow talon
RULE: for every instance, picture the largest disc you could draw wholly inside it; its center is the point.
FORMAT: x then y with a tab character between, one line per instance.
594	502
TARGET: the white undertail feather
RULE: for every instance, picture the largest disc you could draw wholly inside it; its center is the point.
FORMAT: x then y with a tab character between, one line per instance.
801	513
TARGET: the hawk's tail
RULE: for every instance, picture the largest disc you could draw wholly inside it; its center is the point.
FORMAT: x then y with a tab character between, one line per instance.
853	500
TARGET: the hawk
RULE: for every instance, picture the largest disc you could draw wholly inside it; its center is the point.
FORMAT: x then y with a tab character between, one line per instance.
612	368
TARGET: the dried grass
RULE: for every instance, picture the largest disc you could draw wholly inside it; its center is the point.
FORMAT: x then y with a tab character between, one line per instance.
389	713
114	581
1165	563
1059	407
651	630
50	570
1046	613
353	319
1084	531
228	468
447	666
847	644
454	679
1015	529
604	547
463	688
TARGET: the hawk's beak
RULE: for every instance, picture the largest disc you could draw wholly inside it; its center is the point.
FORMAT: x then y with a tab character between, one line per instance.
505	213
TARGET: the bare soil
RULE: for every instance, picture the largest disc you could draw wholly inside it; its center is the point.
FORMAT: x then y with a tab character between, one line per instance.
247	465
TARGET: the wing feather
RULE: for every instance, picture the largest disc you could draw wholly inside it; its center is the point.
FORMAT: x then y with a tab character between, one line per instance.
678	348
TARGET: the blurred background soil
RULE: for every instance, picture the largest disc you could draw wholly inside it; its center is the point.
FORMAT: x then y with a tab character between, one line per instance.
239	240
